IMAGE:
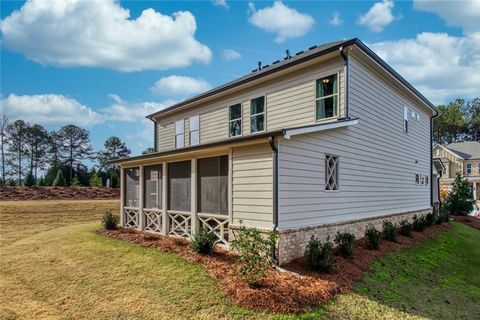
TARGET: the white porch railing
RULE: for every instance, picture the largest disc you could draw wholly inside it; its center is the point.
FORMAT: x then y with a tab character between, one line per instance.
180	223
132	217
217	224
153	219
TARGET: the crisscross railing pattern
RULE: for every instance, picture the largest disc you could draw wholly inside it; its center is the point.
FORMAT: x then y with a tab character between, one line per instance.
216	224
153	220
132	216
180	224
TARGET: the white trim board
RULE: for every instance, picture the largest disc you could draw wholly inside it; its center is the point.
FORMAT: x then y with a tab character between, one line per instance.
321	127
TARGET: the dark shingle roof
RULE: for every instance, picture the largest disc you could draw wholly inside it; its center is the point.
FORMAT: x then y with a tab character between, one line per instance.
466	150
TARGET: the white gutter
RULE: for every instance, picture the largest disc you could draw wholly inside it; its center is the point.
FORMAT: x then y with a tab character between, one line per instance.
320	127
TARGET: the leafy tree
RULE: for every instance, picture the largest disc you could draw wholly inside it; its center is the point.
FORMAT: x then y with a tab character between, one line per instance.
3	142
96	181
16	132
114	149
460	200
36	143
74	146
30	180
148	150
75	182
59	179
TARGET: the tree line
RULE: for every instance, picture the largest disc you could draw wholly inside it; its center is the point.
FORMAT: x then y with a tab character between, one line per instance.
32	155
457	121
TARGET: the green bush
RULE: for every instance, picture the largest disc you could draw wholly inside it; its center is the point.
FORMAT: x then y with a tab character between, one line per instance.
419	223
389	231
95	181
75	182
405	228
372	237
345	242
255	253
109	220
59	179
203	241
439	218
460	200
429	219
30	180
319	256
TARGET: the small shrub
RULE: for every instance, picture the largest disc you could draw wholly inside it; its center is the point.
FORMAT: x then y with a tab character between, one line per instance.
405	228
372	237
75	182
30	180
439	218
345	242
255	253
419	223
389	231
318	256
203	241
429	219
109	221
460	200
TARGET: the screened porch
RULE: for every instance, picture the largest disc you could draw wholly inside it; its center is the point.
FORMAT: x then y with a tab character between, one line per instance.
177	198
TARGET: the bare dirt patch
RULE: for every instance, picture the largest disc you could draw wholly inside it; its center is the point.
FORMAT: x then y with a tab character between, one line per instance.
471	221
294	290
57	193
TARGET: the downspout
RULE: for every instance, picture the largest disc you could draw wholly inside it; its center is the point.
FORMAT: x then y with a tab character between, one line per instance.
345	72
154	133
271	141
431	165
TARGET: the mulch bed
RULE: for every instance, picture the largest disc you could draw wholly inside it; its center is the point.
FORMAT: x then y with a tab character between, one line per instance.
471	221
57	193
293	290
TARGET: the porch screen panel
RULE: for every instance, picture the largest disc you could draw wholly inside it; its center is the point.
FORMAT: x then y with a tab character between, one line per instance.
179	186
132	187
153	187
212	185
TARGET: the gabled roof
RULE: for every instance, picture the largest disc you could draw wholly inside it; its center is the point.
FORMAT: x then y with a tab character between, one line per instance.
465	150
302	56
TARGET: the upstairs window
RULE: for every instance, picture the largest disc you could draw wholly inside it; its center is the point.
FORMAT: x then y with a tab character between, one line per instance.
235	120
179	134
194	129
469	168
327	97
257	115
331	172
405	119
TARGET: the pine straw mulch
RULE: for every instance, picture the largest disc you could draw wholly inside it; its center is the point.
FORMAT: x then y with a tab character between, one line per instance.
471	221
291	290
58	193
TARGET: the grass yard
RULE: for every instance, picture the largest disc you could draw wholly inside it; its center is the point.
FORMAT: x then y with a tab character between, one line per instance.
54	265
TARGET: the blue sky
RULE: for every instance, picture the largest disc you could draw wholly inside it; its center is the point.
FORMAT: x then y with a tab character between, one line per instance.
104	65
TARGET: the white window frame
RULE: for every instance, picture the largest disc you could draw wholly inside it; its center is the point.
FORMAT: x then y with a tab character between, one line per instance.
197	130
259	114
180	124
329	172
236	119
337	74
469	168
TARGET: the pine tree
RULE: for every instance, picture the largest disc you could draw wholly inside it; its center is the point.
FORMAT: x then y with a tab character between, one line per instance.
114	149
36	144
75	182
16	133
3	144
59	179
30	180
460	200
96	181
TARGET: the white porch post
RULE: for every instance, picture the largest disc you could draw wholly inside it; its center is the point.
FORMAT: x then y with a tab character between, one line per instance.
122	196
230	187
193	201
165	226
141	224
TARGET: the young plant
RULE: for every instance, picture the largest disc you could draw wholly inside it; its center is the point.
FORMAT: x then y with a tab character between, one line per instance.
405	228
345	242
419	223
460	200
255	253
390	231
318	255
372	237
109	221
429	219
203	241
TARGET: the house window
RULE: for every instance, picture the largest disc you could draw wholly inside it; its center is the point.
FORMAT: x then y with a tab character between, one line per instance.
417	179
257	115
331	172
132	187
327	97
179	186
469	168
426	180
153	187
235	120
405	119
179	134
212	185
194	126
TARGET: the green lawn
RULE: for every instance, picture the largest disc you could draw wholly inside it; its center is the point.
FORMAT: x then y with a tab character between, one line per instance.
54	266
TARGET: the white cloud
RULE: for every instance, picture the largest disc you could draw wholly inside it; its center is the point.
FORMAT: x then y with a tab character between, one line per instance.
102	34
379	16
51	110
440	66
221	3
179	86
283	20
230	54
336	20
121	110
464	13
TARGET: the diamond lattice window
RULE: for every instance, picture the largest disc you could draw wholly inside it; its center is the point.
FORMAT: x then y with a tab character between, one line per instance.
331	172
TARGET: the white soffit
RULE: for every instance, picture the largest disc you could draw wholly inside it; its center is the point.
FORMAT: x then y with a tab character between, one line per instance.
320	127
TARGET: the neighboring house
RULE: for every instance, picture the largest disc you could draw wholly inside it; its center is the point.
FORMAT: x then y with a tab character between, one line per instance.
437	171
327	140
463	158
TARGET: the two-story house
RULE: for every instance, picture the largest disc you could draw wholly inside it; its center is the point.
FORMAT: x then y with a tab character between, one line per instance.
463	158
328	139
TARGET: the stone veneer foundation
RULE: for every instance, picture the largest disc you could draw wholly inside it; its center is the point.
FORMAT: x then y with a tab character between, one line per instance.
292	243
